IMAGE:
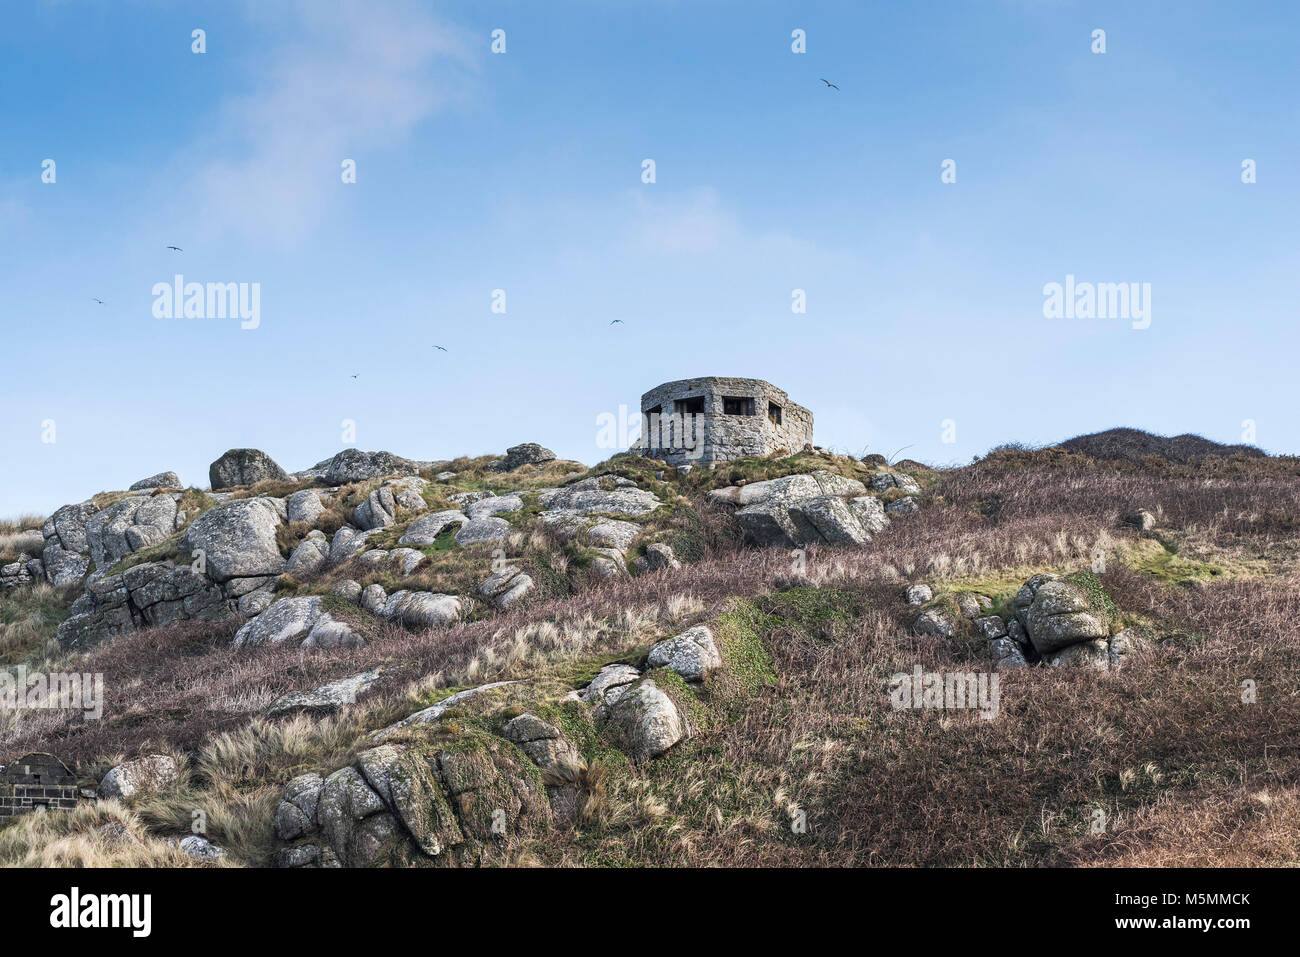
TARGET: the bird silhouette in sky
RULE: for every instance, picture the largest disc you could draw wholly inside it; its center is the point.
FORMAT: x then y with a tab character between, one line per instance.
100	301
177	248
613	321
829	83
354	377
440	347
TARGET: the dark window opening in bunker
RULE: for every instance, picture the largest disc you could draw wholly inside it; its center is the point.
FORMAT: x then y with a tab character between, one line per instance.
736	405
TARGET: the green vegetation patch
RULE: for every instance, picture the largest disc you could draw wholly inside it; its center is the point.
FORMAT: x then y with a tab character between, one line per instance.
821	613
1099	601
1161	561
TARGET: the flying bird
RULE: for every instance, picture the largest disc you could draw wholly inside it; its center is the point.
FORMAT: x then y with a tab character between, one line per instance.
613	321
354	377
829	83
100	301
440	347
177	248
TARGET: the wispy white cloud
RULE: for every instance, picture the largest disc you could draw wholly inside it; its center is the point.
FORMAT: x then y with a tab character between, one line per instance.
342	79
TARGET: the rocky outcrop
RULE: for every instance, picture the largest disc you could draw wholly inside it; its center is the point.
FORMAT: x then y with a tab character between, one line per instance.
437	798
821	508
529	453
588	496
161	480
426	529
23	572
146	595
353	465
301	621
1062	622
66	554
396	497
243	467
128	525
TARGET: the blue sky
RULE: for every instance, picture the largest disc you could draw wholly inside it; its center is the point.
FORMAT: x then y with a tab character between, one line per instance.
522	171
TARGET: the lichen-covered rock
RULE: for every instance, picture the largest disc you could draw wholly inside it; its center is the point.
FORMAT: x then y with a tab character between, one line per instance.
128	525
609	684
1062	614
494	505
934	623
657	557
692	654
348	543
237	539
161	480
918	594
288	619
832	519
354	821
884	481
353	465
146	774
546	746
422	609
527	453
647	720
902	506
426	529
311	555
243	467
329	698
798	510
296	813
385	504
200	848
1093	655
586	497
304	506
506	587
1006	654
870	513
448	798
482	530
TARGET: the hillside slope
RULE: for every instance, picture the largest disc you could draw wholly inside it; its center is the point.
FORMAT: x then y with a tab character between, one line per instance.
701	670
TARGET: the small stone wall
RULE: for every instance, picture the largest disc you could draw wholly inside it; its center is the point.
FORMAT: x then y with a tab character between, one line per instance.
36	781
